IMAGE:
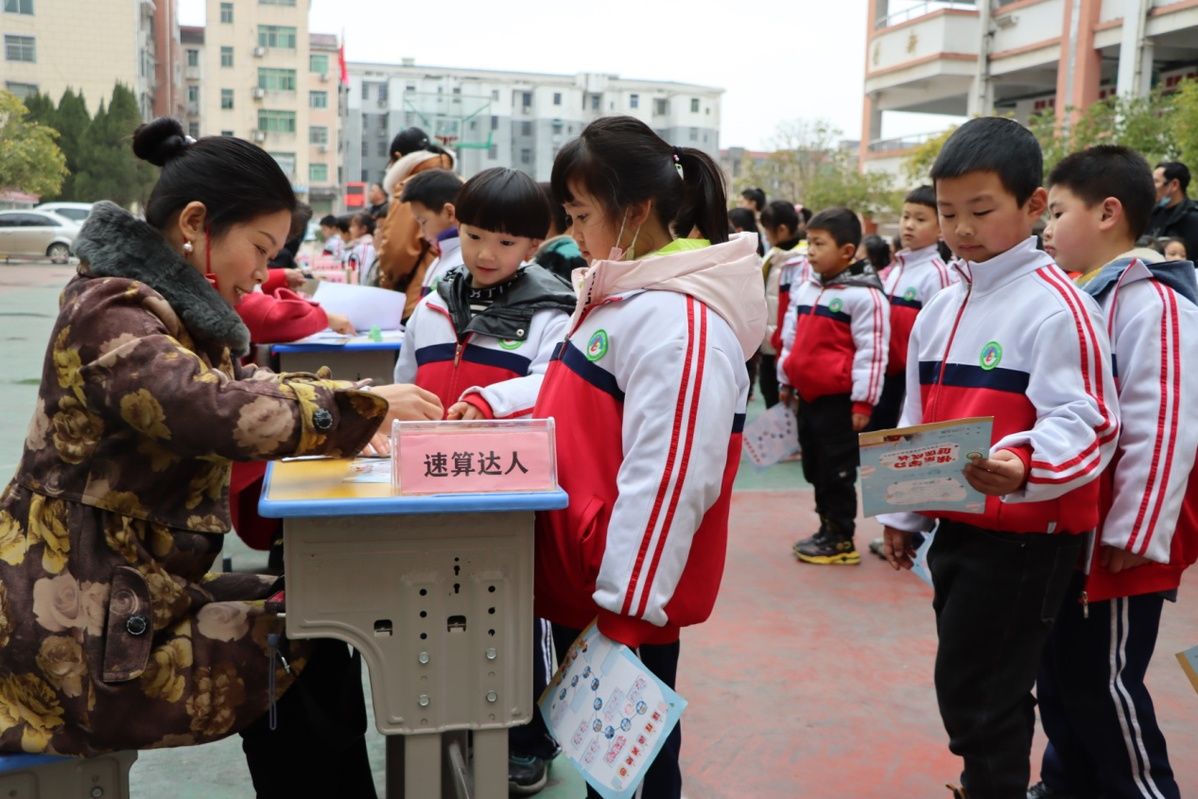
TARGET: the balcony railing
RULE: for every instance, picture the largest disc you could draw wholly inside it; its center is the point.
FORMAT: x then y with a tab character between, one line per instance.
917	10
901	143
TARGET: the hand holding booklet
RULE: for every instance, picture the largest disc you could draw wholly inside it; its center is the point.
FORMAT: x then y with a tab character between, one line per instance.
610	714
921	468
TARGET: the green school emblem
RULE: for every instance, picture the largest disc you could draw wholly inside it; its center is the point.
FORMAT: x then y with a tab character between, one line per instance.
510	344
991	355
597	346
910	294
836	305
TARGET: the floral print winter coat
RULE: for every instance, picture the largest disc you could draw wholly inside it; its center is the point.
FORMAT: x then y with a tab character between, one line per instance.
113	633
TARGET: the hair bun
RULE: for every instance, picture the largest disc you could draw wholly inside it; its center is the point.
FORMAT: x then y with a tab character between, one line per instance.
160	141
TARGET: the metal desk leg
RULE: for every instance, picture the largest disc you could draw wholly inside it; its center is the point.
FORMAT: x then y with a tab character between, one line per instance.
490	764
422	766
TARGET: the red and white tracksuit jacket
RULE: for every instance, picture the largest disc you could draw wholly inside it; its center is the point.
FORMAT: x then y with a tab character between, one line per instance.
794	271
500	377
649	393
835	341
911	281
1150	491
1016	340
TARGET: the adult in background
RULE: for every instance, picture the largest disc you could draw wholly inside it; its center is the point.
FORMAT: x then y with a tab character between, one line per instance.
403	254
115	634
1175	215
377	198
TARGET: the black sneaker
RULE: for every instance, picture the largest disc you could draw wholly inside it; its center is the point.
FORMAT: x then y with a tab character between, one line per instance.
526	775
1041	791
823	549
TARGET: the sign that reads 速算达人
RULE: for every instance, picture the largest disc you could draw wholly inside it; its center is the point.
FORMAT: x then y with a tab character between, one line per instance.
474	457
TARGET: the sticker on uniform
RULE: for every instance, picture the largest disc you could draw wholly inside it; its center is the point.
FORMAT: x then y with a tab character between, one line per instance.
991	355
910	294
510	343
836	306
597	346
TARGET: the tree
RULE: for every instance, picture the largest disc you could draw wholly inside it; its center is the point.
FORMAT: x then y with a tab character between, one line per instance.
918	166
72	122
1183	123
1140	123
109	169
30	160
808	165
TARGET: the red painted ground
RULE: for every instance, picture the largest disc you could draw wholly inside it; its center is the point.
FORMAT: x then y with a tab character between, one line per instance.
815	682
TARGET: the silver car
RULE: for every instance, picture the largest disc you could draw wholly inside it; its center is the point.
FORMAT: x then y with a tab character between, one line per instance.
37	234
75	212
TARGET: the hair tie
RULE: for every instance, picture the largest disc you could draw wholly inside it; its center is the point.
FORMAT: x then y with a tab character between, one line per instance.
677	153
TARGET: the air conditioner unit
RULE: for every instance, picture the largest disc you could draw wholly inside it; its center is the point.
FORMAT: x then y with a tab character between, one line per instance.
259	52
259	93
382	103
324	148
324	78
259	135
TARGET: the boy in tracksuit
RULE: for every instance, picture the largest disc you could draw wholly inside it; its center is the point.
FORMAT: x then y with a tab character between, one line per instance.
1017	341
481	341
916	276
1096	709
834	350
432	195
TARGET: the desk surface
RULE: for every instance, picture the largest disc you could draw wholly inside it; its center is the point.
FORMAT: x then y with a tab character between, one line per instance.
317	488
359	343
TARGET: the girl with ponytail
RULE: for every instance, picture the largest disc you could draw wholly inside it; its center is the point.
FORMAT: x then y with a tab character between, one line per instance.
649	391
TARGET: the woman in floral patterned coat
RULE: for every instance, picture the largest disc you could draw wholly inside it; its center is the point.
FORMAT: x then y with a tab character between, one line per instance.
113	633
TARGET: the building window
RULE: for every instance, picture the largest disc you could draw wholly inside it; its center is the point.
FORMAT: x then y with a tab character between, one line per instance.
22	91
193	58
525	128
634	101
318	173
277	3
226	99
286	162
527	100
226	133
694	134
495	94
382	149
365	90
276	80
276	121
19	48
318	99
318	134
226	56
382	92
365	175
493	152
18	6
694	105
411	87
282	36
226	13
494	123
318	63
382	123
595	101
557	127
193	130
526	156
193	94
661	107
557	98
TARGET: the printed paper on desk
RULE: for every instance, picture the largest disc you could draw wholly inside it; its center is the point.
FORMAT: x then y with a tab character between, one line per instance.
772	436
609	713
508	455
921	468
365	306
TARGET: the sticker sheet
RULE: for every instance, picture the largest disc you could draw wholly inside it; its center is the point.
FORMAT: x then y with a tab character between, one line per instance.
610	714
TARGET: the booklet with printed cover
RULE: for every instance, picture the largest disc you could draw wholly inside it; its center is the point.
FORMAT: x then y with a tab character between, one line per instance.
921	468
609	713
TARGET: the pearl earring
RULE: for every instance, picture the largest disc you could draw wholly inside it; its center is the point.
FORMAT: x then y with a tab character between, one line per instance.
188	249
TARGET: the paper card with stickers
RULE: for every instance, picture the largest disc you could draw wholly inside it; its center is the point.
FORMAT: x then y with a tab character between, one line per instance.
610	714
921	468
772	437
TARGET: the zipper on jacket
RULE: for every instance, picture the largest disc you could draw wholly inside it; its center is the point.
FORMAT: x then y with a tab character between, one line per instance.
947	349
1085	600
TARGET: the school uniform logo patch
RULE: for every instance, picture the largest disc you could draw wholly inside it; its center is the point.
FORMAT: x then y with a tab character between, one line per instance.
991	355
910	294
597	346
510	344
836	306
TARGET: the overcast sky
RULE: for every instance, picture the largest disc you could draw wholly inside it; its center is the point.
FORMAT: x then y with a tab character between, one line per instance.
777	60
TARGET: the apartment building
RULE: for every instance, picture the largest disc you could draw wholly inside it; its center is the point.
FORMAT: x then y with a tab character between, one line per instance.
191	40
512	119
51	45
323	96
967	57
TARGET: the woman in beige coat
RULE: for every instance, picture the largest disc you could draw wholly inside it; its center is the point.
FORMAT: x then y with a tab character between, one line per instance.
113	633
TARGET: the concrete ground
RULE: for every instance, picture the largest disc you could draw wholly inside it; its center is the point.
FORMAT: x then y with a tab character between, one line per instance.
810	682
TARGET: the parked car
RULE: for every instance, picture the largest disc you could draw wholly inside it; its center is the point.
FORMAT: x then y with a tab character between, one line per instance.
37	234
76	212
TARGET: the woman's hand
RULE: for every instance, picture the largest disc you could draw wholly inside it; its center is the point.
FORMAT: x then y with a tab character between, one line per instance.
409	403
464	412
340	324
